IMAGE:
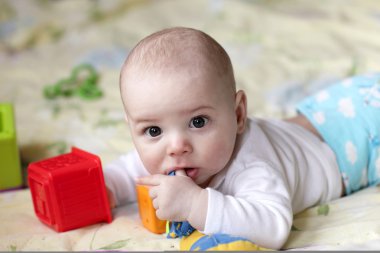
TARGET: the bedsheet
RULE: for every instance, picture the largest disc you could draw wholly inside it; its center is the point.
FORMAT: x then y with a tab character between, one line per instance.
21	230
281	52
349	223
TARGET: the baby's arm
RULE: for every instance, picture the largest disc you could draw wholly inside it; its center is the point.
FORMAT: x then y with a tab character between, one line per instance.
255	204
120	176
111	198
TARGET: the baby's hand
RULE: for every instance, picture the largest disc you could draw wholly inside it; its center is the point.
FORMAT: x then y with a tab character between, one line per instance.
172	196
111	198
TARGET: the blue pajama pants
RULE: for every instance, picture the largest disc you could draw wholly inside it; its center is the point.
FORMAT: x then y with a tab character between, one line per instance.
347	115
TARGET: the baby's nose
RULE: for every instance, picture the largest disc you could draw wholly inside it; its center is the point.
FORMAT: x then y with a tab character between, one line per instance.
179	145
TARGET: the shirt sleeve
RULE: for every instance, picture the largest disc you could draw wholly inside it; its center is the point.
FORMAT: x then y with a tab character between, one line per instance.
255	205
120	176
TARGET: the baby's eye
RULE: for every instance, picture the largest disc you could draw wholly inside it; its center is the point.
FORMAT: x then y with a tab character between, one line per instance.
198	122
153	131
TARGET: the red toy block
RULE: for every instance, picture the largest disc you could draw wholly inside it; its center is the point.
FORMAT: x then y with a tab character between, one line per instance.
68	190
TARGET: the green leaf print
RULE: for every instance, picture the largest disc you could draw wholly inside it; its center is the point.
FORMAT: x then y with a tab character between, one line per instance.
323	210
116	245
294	228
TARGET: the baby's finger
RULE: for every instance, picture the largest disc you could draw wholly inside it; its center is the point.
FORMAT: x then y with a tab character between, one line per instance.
155	203
180	173
149	180
153	192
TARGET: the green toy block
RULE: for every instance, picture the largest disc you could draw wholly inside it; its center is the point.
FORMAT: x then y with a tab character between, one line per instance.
10	169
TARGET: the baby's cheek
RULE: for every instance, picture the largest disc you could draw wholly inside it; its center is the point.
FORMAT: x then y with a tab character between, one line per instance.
151	161
220	151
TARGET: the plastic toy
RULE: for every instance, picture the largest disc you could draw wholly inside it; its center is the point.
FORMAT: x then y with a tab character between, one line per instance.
217	242
68	190
147	211
10	169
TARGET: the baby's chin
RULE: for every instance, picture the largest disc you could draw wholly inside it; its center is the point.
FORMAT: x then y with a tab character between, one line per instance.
204	183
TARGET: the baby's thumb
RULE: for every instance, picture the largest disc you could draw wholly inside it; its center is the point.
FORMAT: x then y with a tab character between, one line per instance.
180	173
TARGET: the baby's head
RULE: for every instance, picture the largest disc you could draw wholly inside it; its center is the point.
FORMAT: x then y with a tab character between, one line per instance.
178	91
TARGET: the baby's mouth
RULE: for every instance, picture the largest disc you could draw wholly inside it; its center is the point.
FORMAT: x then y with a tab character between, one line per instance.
191	172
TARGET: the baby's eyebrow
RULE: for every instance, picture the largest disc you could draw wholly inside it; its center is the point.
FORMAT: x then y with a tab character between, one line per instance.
199	108
146	120
142	119
139	121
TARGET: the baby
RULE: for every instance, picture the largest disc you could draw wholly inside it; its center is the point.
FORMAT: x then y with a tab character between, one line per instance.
236	175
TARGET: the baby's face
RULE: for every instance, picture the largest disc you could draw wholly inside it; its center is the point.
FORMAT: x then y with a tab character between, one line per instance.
181	121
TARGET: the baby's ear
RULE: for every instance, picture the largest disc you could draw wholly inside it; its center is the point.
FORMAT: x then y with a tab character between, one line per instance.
241	110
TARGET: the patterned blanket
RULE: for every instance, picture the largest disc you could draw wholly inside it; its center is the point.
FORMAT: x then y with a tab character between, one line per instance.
281	51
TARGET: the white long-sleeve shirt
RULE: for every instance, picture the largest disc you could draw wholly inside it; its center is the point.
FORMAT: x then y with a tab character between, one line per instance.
277	169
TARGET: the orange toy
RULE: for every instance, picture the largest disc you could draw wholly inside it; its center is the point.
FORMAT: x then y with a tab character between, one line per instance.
147	211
